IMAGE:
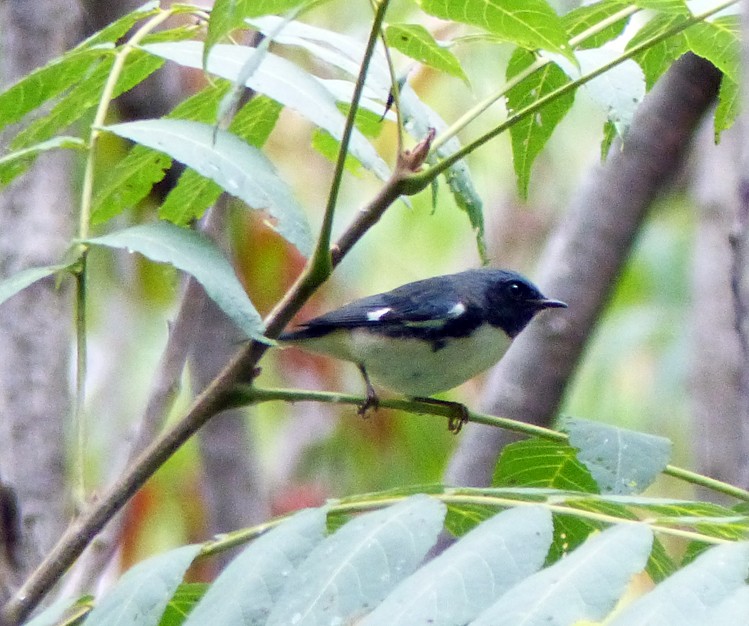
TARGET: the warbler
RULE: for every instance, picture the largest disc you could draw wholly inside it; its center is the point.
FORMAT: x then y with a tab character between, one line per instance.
427	336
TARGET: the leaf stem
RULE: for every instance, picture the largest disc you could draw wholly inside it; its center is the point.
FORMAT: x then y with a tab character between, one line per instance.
84	222
321	265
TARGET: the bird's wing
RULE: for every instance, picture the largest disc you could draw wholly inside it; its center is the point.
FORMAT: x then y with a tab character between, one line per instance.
429	302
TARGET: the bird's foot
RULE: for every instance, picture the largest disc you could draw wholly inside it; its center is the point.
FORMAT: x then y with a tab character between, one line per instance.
460	413
372	402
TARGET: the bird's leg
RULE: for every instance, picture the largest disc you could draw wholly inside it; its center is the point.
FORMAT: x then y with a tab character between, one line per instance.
372	401
454	422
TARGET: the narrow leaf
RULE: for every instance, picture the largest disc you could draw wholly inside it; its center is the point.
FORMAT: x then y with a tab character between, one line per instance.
240	169
462	581
197	255
530	135
85	95
282	81
249	586
585	585
417	42
621	461
17	282
531	24
228	15
143	592
129	182
357	566
686	597
45	83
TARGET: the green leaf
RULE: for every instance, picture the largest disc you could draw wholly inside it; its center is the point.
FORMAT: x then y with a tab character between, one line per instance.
282	81
728	106
12	164
530	135
585	585
240	169
582	18
531	24
675	7
621	461
718	42
418	120
656	59
359	564
687	597
541	463
85	95
197	255
247	589
143	592
190	198
472	573
44	83
129	182
17	282
182	602
417	42
228	15
133	177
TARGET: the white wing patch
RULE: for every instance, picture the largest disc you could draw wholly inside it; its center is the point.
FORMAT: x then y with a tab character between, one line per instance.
458	309
377	314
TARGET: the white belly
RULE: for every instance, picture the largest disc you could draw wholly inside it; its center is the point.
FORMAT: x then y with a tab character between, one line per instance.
411	367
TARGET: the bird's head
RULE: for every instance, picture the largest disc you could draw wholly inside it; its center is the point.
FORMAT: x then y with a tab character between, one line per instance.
513	301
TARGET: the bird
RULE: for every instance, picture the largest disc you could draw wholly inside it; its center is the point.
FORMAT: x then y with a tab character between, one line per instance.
428	336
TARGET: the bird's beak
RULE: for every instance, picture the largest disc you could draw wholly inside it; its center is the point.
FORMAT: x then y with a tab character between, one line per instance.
548	303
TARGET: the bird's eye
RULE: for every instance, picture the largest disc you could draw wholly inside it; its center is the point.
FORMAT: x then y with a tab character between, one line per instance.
515	290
